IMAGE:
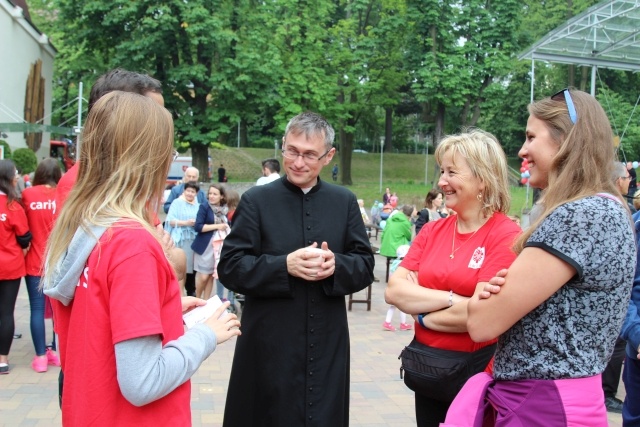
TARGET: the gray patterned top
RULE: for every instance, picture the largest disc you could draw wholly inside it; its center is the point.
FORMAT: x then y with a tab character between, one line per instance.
571	335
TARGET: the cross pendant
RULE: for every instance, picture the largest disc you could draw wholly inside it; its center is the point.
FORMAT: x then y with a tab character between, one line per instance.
451	256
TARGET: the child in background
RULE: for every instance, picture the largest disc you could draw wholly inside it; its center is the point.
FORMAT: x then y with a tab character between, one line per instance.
404	326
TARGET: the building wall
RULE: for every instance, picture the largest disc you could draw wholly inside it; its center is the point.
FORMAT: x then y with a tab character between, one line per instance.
21	45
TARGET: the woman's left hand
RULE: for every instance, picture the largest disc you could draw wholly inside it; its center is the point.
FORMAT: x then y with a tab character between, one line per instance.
412	276
189	303
493	287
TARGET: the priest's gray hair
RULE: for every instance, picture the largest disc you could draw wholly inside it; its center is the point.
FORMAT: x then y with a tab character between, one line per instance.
311	124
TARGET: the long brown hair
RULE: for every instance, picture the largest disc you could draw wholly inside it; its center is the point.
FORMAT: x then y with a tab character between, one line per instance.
127	147
431	196
582	166
47	173
7	175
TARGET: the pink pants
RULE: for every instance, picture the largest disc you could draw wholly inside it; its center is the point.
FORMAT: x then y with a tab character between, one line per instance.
483	402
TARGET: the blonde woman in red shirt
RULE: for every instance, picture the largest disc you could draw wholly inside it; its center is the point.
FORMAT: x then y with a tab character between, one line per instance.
446	263
126	356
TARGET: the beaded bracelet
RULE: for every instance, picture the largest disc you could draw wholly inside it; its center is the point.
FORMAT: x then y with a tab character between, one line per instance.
450	298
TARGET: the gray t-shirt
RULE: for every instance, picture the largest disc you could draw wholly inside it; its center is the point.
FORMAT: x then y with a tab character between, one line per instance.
571	335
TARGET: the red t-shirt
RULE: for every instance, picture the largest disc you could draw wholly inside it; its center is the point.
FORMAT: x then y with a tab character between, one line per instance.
128	290
477	259
65	185
13	222
40	205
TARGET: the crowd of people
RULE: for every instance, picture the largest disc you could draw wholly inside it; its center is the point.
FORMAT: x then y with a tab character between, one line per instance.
514	320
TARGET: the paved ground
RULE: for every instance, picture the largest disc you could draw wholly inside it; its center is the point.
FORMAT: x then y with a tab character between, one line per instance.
378	396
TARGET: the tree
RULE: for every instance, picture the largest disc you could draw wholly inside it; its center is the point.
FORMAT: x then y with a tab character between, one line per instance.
366	51
208	71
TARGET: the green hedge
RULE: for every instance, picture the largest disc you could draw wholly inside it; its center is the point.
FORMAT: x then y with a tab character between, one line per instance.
25	160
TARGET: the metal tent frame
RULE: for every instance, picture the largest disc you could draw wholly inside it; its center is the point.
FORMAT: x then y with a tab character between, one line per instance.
606	35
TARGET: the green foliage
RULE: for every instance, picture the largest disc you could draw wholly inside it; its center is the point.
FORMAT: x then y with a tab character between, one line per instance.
217	146
241	67
25	160
621	115
7	148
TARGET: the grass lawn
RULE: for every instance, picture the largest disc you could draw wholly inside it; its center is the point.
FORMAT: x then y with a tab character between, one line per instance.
402	173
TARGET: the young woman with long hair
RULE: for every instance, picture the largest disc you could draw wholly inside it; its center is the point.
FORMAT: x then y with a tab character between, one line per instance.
15	237
211	224
117	305
558	309
40	205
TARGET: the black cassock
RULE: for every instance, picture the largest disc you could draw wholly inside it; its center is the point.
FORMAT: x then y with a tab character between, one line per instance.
291	363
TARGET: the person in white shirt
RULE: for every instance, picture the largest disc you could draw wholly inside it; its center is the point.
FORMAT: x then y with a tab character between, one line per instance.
270	171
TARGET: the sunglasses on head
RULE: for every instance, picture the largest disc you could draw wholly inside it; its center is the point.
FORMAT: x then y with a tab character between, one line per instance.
573	115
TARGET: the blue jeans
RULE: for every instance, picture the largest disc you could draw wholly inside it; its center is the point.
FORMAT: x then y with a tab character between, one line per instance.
631	379
220	292
36	303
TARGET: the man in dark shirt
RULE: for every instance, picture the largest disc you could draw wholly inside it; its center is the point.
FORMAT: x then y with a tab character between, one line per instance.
291	363
633	182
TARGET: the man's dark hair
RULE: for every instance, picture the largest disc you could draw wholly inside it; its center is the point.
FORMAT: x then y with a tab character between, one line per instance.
126	81
191	184
272	164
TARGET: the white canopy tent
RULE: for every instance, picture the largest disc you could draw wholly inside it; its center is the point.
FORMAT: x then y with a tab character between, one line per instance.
606	35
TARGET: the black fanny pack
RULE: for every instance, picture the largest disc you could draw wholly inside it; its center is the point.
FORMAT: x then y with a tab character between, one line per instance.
440	374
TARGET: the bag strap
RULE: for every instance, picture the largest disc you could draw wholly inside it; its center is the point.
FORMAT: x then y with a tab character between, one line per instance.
609	196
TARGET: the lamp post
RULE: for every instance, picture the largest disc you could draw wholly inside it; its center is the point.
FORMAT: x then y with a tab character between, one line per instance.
78	129
426	161
381	156
275	148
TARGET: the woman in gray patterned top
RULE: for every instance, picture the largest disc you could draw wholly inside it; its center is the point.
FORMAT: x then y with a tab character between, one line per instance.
559	308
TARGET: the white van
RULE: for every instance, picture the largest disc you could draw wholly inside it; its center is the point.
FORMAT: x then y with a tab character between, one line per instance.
179	165
177	168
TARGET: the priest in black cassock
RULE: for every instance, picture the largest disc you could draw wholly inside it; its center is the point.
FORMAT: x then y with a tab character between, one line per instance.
291	363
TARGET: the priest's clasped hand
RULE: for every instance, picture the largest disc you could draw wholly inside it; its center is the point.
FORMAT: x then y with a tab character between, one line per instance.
312	263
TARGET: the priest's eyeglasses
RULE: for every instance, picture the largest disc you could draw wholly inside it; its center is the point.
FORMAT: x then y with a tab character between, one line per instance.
309	158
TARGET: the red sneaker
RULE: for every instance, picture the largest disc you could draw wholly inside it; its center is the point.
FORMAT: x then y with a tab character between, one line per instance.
39	364
388	326
52	358
405	327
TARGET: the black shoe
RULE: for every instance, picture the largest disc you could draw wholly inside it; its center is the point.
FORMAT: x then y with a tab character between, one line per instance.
613	404
17	336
